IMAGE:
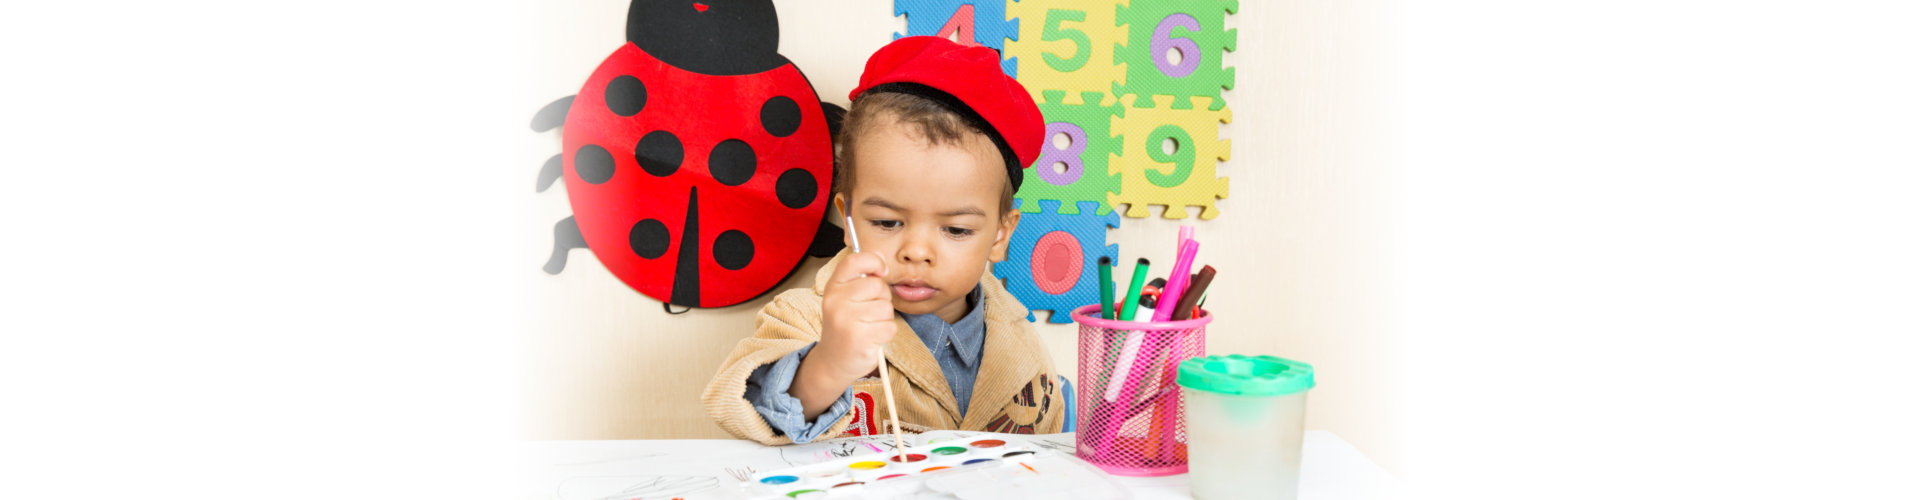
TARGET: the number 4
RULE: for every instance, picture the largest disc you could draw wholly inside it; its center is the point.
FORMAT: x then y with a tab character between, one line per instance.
960	24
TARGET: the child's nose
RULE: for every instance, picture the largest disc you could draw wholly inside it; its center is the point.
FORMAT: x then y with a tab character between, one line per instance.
917	248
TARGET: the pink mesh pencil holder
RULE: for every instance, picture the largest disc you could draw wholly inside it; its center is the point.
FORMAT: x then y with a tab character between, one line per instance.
1130	412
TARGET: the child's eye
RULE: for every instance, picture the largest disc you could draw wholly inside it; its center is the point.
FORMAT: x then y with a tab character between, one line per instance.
885	223
958	231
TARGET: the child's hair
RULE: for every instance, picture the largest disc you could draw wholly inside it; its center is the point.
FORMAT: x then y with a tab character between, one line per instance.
924	117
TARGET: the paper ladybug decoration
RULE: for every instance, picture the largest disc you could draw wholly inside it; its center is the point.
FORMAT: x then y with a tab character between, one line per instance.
697	159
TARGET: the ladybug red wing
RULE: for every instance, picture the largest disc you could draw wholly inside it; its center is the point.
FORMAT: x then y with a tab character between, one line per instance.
695	189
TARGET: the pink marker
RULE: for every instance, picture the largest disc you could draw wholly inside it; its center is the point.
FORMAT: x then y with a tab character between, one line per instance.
1177	282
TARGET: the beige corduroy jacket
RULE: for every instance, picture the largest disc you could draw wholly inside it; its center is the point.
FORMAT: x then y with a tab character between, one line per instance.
1014	392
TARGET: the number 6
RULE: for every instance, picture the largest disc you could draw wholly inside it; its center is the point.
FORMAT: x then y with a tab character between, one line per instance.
1163	40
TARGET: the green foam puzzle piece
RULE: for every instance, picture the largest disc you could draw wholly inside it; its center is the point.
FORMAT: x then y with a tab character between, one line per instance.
1153	26
1188	176
1087	175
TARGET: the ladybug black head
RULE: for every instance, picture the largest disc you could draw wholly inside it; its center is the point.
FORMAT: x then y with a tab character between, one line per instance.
713	37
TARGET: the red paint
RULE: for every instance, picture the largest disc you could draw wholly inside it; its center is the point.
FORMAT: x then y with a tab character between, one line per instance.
700	6
911	457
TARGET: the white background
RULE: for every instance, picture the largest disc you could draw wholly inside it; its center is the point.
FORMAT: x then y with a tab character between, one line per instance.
1657	249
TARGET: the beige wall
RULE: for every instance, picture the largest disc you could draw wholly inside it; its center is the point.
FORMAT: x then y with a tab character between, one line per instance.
1301	241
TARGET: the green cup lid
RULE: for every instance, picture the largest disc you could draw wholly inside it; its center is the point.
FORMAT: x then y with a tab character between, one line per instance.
1245	375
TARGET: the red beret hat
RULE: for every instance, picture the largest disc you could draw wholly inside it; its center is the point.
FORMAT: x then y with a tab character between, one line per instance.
968	81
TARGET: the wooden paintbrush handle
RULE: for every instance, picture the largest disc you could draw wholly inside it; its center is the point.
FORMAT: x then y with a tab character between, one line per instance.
893	416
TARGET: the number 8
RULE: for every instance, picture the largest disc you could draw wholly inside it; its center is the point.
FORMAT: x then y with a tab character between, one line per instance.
1069	156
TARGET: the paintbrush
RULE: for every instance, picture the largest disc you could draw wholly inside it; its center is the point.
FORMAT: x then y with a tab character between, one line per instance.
886	383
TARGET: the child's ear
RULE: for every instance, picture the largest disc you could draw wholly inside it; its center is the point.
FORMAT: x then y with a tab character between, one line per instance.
1004	235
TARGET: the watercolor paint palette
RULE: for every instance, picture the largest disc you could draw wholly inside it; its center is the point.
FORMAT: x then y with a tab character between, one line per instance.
964	469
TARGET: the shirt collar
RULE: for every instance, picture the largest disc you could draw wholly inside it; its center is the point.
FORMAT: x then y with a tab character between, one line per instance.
969	334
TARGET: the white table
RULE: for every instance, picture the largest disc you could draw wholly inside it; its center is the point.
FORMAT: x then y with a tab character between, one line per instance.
596	470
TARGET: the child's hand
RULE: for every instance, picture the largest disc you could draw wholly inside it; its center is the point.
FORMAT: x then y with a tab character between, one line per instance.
857	317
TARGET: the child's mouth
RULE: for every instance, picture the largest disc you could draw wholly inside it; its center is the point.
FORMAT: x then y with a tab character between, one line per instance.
913	291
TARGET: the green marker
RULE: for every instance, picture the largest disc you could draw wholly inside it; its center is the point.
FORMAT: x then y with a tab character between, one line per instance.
1106	287
1133	290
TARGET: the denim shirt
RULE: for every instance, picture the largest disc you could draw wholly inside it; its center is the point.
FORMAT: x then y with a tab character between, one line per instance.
956	346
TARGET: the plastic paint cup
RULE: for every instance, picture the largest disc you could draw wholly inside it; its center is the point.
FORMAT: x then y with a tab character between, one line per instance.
988	443
1245	418
779	479
867	465
950	450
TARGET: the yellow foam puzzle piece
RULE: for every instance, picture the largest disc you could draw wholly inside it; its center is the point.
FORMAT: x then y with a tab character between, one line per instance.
1050	48
1149	176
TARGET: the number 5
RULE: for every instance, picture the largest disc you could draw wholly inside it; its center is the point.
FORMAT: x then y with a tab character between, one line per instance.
1052	31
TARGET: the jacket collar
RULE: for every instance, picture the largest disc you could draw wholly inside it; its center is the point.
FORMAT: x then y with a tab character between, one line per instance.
968	334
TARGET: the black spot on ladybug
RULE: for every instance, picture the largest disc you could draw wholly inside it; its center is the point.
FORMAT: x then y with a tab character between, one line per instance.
796	188
649	239
626	96
593	164
732	162
733	250
659	153
780	116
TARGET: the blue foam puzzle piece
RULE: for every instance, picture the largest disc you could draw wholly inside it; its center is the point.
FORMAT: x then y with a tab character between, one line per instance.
1088	229
991	27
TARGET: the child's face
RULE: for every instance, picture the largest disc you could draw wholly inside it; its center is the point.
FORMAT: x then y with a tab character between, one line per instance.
933	210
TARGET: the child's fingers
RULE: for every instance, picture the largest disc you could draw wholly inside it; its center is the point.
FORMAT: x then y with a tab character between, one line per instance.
869	289
858	265
878	310
878	333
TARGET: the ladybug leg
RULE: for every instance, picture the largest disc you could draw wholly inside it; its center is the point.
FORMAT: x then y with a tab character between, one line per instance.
828	240
552	115
835	116
566	236
548	173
